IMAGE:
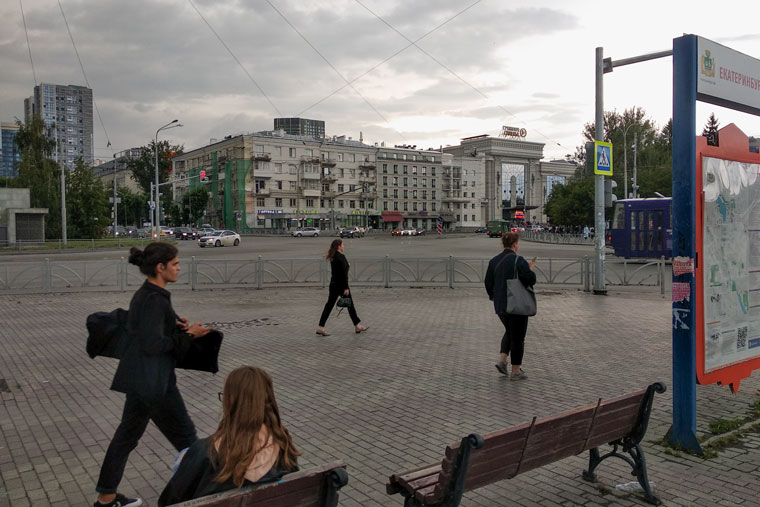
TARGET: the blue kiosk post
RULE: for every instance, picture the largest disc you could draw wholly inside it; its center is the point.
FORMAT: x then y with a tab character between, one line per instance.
683	432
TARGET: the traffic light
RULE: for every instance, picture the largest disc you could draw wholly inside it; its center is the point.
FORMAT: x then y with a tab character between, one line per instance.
609	196
588	168
204	178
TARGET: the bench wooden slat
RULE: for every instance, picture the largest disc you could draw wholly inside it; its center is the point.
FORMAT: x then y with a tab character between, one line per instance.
615	419
306	488
394	486
556	438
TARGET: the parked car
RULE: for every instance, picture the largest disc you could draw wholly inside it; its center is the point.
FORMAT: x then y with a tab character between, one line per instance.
481	230
220	238
306	231
142	232
351	232
184	233
420	232
204	231
396	232
409	232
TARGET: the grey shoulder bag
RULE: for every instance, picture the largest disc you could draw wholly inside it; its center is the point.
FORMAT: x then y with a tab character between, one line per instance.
521	300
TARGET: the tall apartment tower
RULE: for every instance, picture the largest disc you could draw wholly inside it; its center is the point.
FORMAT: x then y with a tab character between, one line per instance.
66	111
301	127
9	155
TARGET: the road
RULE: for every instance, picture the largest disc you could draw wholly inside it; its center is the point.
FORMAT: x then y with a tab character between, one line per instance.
478	246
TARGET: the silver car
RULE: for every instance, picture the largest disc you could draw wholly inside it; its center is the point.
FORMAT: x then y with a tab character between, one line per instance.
220	238
306	231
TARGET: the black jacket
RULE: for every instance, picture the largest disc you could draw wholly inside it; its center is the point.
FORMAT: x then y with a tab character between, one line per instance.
154	345
339	279
194	477
500	269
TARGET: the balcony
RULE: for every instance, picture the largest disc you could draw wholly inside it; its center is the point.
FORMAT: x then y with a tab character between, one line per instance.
367	195
263	192
311	192
330	194
311	176
328	162
262	157
367	165
371	180
310	159
455	199
329	178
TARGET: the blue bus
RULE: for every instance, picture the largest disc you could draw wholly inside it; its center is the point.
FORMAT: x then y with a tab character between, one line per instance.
642	228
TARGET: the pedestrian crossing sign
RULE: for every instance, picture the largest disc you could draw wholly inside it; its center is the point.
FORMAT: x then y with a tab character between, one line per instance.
603	158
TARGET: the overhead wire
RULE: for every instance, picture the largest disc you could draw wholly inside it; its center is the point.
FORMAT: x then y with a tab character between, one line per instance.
250	77
460	78
29	46
94	102
392	56
366	101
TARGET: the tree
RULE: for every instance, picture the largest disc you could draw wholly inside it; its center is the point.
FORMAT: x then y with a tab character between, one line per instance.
87	206
194	203
134	206
654	151
572	203
40	173
711	130
144	167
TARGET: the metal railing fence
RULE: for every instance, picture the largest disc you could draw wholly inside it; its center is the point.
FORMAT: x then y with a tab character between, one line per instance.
117	275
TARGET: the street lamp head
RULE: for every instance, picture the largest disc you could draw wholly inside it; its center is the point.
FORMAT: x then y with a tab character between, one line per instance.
173	121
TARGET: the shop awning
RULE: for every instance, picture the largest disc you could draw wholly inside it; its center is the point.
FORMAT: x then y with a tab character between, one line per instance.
389	216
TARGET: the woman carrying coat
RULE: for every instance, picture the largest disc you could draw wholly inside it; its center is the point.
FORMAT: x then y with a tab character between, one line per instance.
338	287
157	339
501	268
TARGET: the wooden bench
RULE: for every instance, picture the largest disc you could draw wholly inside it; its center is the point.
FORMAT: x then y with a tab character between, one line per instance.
481	460
315	487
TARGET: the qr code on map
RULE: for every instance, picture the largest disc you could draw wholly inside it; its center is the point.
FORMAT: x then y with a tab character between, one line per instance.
741	338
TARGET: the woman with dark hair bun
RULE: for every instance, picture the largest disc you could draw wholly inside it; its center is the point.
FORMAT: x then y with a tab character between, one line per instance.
157	339
250	446
338	287
508	264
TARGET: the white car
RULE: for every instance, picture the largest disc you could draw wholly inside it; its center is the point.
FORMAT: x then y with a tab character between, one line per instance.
220	238
409	232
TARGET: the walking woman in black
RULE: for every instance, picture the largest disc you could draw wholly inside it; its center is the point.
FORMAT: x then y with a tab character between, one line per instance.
508	264
157	339
338	287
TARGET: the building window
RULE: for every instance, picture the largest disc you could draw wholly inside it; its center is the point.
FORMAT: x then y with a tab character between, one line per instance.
292	152
385	205
278	202
424	206
293	202
433	195
395	181
325	187
352	157
432	183
352	173
352	204
385	168
395	168
292	185
385	180
432	171
361	204
352	188
406	194
308	152
406	206
414	169
406	169
340	203
414	194
414	206
260	202
424	170
473	207
406	182
395	193
385	192
414	182
395	205
309	203
473	218
277	168
432	206
458	219
424	182
340	187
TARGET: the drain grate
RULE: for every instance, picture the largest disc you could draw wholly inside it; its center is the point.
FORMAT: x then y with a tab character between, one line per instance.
4	386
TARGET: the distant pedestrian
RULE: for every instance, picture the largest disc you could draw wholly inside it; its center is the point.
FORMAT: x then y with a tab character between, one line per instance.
586	232
157	338
500	269
338	287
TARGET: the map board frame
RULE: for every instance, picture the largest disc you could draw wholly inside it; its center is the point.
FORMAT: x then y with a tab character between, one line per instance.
714	80
734	147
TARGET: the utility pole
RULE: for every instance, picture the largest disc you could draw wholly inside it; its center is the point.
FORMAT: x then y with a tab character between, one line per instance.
115	207
63	205
635	153
599	233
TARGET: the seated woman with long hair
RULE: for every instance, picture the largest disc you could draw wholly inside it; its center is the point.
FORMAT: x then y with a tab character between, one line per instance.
250	446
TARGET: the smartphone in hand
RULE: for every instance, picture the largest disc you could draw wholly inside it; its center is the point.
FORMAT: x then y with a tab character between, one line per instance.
534	259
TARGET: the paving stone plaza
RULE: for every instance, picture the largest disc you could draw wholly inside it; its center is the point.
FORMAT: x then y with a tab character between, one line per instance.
384	401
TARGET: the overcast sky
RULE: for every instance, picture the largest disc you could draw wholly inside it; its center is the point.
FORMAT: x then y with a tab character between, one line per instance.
519	63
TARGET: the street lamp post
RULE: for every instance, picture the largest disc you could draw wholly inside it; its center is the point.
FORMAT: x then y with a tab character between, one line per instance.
156	202
625	161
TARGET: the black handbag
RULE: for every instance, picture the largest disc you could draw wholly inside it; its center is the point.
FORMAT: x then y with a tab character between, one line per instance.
345	302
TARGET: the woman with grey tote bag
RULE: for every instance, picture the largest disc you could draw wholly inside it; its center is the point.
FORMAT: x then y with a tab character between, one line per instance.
506	266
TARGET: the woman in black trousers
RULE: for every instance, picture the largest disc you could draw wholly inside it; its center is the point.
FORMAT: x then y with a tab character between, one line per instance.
157	339
338	287
508	264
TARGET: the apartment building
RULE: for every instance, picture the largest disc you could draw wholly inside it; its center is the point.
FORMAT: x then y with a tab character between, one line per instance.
9	154
66	111
272	181
116	169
